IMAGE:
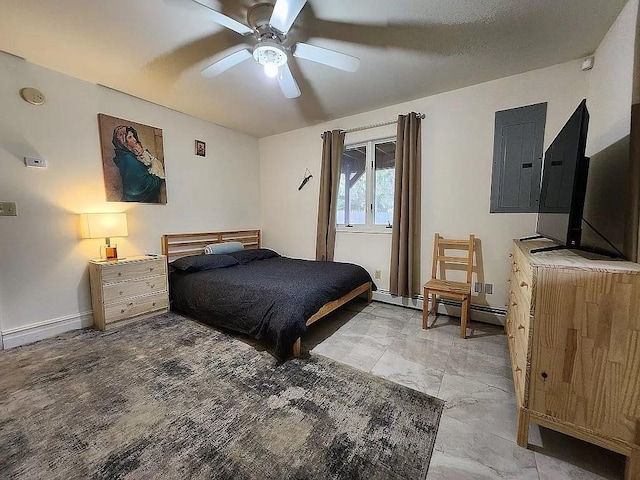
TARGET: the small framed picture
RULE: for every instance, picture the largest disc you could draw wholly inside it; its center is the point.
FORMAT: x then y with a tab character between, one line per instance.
201	148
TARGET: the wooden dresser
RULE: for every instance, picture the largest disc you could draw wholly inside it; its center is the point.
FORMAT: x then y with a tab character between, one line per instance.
127	290
573	327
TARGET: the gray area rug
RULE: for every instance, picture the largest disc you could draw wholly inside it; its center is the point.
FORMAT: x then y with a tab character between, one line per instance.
171	398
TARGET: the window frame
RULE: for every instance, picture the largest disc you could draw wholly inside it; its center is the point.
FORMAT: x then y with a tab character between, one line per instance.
369	226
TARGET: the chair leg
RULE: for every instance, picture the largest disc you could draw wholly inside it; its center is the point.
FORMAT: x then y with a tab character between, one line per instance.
434	304
425	310
464	317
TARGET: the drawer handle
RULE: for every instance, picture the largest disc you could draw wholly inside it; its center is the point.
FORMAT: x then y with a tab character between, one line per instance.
119	274
514	304
508	320
120	292
122	311
151	269
518	369
511	336
152	285
511	255
524	284
520	327
153	304
131	304
508	280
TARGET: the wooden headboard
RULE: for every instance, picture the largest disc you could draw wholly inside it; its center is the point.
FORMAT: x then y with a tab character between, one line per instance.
175	245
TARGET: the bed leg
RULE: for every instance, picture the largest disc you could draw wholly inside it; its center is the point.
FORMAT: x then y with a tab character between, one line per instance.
296	348
369	294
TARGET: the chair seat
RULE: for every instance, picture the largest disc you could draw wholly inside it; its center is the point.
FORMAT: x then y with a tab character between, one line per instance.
449	286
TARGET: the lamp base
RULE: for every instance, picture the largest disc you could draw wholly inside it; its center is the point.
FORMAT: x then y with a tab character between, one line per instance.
110	252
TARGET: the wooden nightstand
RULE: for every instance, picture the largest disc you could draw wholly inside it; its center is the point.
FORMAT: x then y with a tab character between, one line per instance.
127	290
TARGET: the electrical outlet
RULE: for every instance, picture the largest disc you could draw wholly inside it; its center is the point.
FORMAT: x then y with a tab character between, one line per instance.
377	274
488	288
477	288
8	209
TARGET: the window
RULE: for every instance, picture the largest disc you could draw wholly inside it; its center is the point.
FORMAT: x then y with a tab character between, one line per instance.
365	195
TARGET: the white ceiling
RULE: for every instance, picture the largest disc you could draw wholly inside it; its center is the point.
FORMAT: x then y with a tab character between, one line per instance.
155	49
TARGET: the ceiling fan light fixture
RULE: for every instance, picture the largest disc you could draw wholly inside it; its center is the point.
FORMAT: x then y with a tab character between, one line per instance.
271	69
271	55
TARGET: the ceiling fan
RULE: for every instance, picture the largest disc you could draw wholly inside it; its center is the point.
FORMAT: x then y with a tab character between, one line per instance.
269	25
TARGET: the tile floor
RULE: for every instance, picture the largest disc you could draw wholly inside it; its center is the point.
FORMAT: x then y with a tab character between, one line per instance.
477	434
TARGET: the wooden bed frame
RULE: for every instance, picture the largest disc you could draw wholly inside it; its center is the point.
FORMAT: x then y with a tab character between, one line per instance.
176	245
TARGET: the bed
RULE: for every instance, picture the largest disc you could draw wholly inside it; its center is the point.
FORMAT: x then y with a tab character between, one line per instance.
264	295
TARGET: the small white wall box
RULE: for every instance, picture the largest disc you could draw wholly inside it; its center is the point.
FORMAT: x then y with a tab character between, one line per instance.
587	64
35	162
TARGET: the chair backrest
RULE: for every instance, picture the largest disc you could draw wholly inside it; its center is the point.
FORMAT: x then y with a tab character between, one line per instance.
441	245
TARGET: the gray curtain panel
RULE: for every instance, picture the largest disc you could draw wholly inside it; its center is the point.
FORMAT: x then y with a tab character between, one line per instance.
405	243
332	150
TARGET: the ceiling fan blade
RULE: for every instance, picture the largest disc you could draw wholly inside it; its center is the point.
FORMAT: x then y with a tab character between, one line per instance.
285	13
227	62
225	21
327	57
287	83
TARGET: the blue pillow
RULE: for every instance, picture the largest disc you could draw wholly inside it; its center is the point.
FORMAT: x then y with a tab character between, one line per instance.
197	263
223	248
246	256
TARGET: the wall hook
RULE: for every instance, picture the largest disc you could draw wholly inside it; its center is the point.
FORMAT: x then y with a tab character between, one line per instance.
307	177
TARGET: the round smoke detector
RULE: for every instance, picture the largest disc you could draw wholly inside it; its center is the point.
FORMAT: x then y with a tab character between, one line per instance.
268	51
32	96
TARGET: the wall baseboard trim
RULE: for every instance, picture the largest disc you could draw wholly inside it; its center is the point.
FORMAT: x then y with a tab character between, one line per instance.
479	313
16	337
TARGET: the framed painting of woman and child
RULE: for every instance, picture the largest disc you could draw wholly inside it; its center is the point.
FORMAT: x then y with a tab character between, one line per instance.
132	160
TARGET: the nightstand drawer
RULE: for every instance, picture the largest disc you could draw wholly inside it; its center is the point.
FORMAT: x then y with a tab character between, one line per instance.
135	306
114	292
128	271
128	289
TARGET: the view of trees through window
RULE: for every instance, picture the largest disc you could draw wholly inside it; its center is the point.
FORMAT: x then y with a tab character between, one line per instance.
365	195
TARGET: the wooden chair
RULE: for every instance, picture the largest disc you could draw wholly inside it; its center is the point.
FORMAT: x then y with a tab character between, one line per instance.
435	287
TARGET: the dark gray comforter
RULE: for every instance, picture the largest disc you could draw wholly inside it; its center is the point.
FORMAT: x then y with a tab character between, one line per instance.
270	299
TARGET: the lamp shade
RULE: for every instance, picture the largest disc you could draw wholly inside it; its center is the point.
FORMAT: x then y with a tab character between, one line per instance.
103	225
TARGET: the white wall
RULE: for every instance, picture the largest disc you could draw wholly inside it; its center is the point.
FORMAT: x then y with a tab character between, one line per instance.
457	153
611	83
43	264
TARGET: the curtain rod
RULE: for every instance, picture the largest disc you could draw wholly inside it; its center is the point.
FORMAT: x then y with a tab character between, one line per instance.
374	125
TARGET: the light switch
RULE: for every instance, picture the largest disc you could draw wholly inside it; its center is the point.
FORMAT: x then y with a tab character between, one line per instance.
8	209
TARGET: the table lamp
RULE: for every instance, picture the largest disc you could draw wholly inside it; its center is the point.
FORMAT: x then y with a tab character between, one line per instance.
105	225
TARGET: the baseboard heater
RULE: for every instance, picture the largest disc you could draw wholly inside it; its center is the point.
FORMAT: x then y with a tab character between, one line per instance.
481	313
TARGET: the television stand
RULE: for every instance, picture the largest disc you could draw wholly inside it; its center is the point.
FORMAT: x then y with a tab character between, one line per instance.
548	249
570	330
594	250
532	237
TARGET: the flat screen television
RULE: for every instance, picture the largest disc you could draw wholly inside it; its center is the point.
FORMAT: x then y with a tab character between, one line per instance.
564	182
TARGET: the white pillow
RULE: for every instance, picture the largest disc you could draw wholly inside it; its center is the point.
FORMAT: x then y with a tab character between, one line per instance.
223	248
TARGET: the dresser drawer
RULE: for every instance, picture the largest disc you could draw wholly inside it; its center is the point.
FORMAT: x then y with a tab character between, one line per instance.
129	271
520	301
521	266
519	366
114	292
135	306
521	334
